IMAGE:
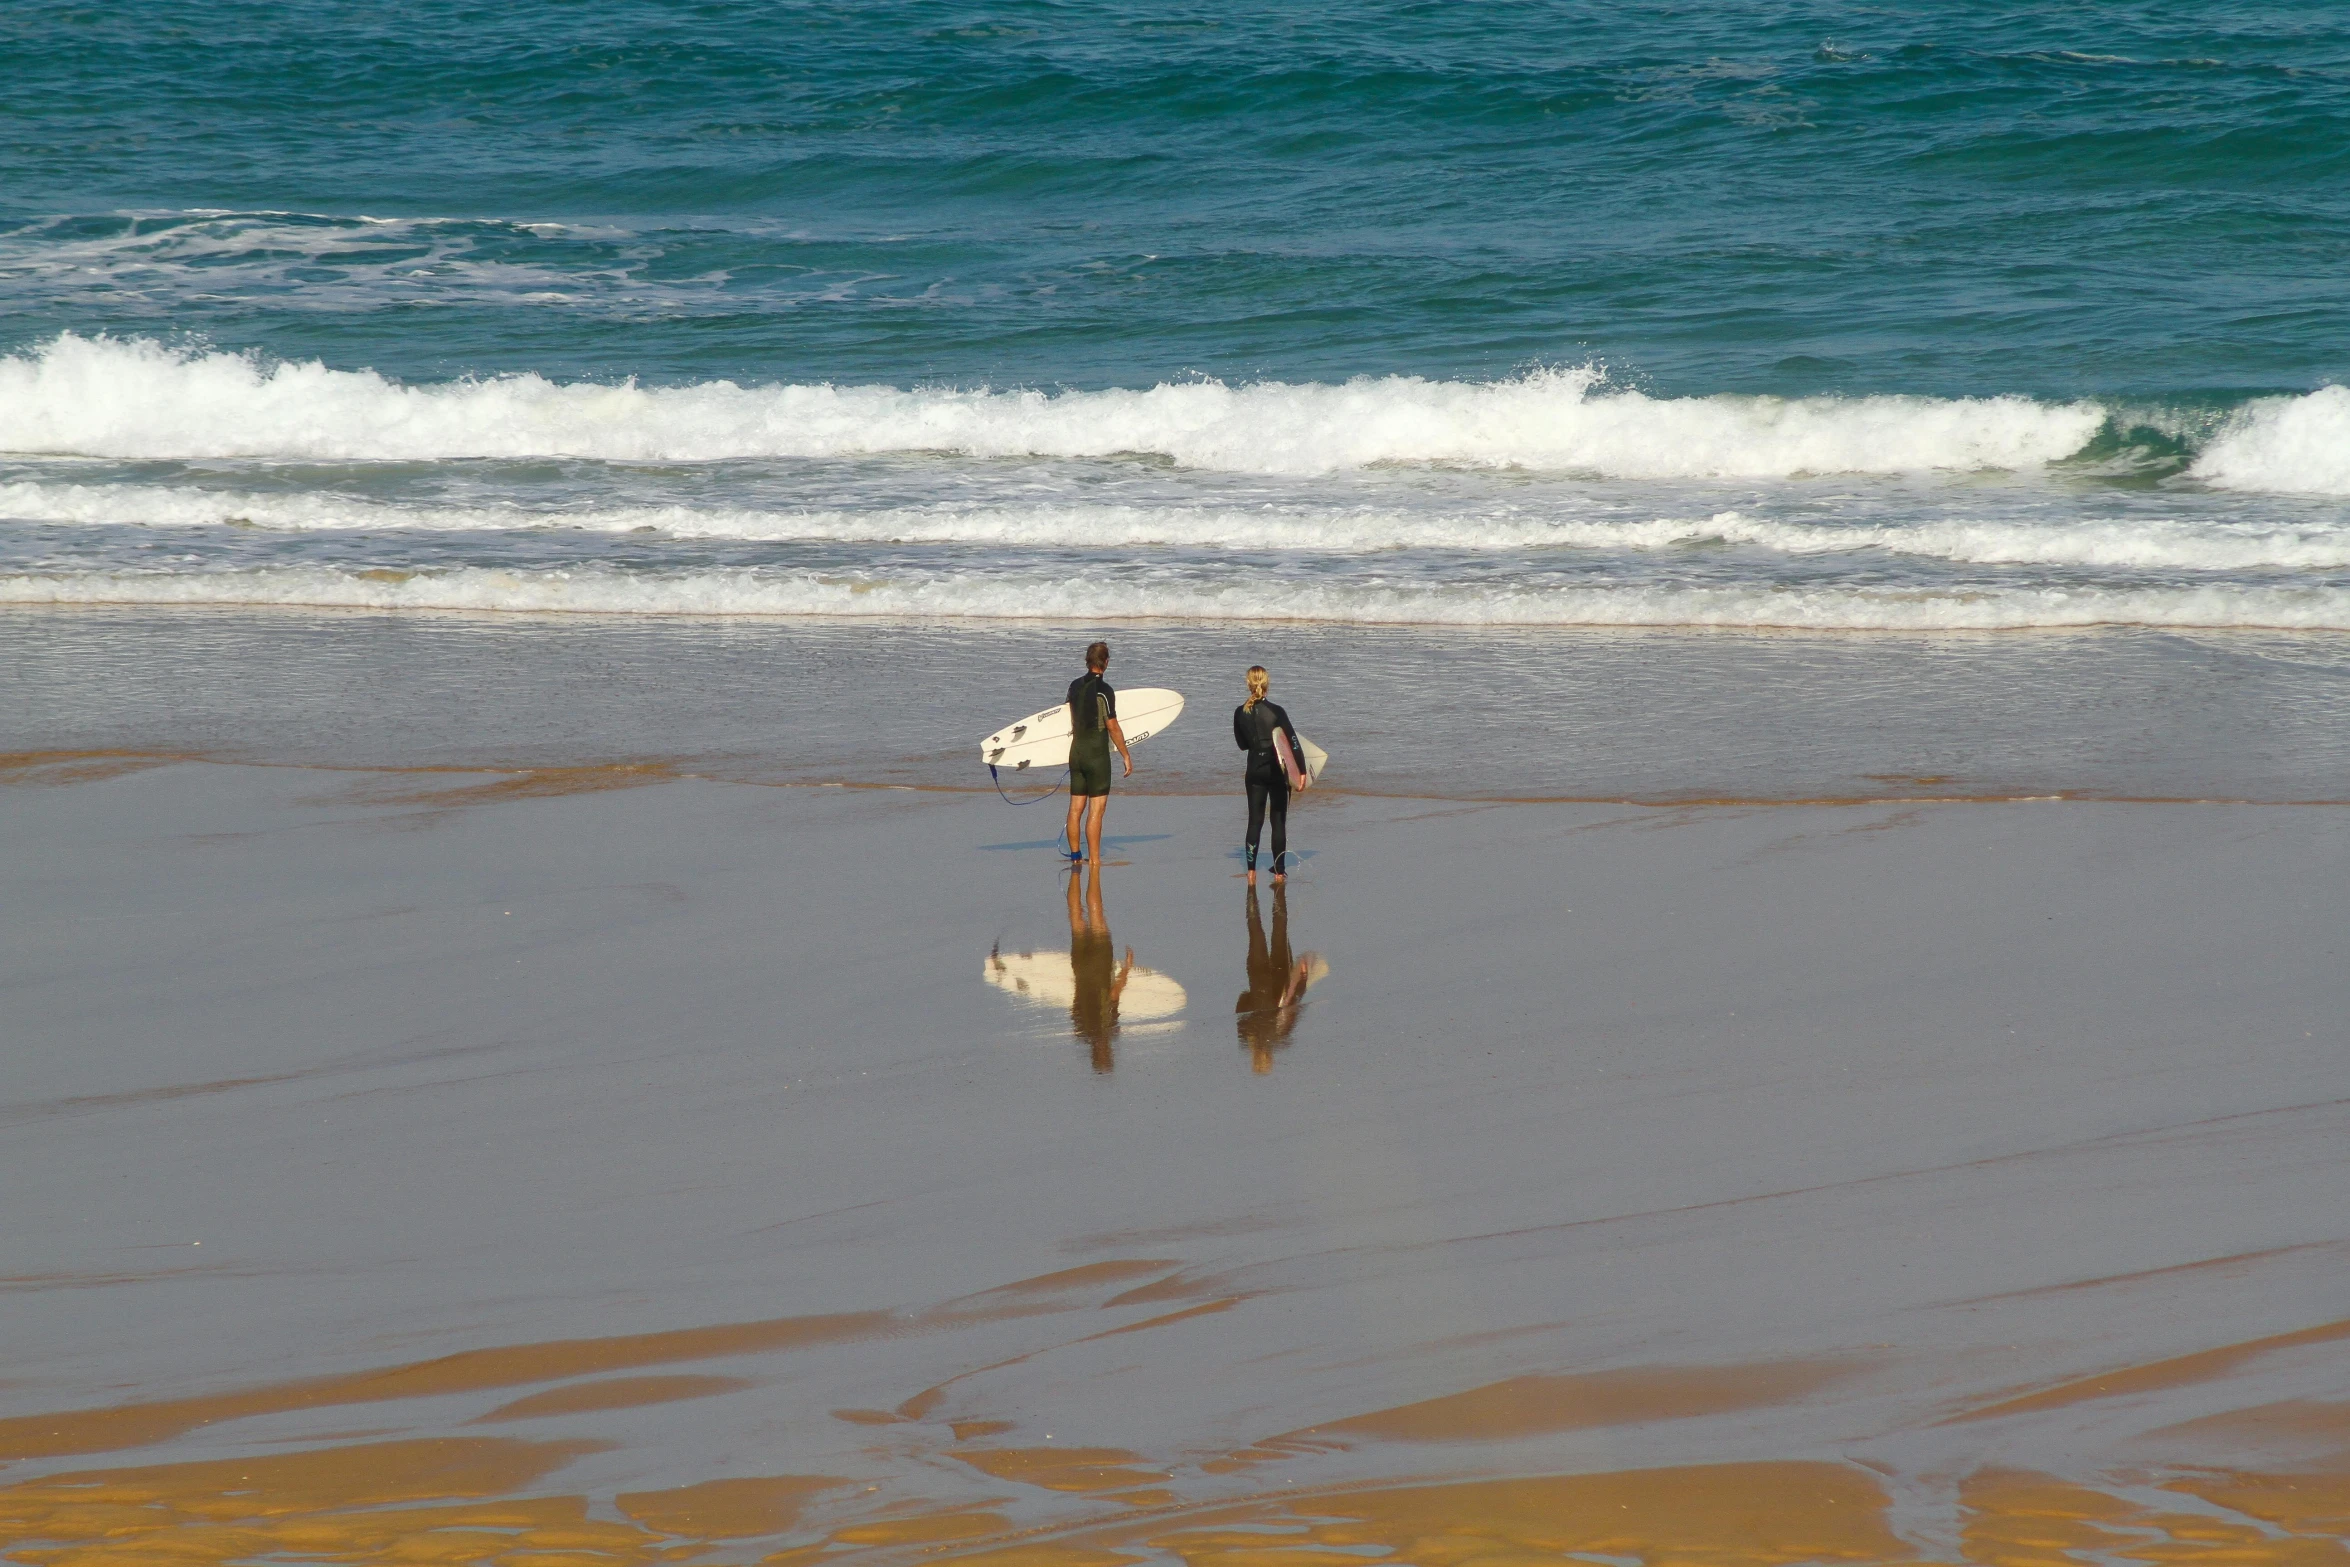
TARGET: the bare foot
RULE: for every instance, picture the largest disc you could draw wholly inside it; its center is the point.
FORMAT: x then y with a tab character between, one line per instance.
1279	877
1252	876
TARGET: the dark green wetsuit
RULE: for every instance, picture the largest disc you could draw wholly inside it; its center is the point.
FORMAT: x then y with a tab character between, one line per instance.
1093	702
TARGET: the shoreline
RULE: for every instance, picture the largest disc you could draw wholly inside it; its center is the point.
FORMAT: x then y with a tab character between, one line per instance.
1350	620
38	768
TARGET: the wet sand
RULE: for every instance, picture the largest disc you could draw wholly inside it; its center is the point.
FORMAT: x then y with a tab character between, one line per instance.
592	1165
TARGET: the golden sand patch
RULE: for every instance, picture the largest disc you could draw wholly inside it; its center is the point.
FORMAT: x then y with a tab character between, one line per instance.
726	1509
1208	1309
438	1501
2030	1520
2312	1505
420	786
1091	1275
518	1365
358	1505
613	1393
2179	1371
2295	1431
73	767
868	1417
136	1425
342	1504
1540	1405
1724	1515
1721	1515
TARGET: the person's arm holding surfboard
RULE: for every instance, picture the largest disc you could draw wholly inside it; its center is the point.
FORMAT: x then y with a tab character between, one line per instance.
1297	748
1118	739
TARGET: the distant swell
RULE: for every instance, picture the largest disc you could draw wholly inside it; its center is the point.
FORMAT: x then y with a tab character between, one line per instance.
138	399
605	591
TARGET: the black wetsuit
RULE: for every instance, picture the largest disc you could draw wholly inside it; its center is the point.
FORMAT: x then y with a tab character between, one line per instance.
1268	785
1093	702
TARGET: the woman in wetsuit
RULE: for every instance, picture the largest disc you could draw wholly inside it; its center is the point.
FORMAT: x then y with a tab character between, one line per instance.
1254	724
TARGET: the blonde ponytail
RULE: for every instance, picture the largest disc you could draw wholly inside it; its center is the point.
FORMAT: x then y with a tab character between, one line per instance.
1258	684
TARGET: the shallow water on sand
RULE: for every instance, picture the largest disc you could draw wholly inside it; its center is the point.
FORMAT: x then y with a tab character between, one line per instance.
1651	715
572	1169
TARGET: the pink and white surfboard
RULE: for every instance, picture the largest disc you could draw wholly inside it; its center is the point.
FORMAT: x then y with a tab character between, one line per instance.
1289	762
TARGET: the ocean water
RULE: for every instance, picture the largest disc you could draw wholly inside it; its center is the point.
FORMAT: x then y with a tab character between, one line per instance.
1900	317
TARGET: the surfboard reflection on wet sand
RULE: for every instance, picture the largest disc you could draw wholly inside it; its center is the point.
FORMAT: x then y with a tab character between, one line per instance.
1267	1012
1106	992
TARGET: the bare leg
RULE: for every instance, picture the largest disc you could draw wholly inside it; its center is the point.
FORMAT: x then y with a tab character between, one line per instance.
1069	835
1096	809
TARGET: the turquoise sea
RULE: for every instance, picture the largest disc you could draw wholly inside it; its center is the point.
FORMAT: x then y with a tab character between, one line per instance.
1901	317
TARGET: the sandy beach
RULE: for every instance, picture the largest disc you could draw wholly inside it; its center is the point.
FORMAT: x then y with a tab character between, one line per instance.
598	1164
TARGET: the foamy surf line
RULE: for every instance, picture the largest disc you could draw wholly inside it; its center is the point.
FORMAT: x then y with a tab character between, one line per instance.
109	397
136	398
2151	543
593	591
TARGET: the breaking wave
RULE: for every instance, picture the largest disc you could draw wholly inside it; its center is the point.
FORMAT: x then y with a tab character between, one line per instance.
135	398
2284	444
108	397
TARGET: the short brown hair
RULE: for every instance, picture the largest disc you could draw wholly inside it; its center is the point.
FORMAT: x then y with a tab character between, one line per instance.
1097	657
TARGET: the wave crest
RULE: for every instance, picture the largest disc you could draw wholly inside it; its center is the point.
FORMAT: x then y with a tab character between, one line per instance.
106	397
2297	445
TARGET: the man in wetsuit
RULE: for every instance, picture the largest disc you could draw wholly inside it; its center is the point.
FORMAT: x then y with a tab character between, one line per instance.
1093	729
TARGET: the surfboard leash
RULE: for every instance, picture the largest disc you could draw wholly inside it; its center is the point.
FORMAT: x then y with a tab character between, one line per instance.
1296	858
1008	800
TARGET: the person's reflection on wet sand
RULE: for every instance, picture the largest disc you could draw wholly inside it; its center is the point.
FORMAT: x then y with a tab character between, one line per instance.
1266	1012
1093	1010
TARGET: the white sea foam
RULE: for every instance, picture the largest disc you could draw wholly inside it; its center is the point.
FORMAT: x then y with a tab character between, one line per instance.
754	592
2139	543
138	399
2291	444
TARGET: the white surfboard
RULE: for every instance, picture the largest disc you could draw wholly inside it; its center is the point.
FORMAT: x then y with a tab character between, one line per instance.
1045	979
1042	739
1314	757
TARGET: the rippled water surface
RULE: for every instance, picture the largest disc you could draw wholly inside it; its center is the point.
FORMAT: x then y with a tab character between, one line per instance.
1906	317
